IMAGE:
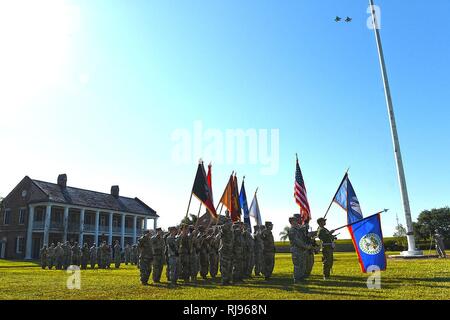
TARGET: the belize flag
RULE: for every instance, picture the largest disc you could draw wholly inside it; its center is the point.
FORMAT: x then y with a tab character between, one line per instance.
346	198
367	239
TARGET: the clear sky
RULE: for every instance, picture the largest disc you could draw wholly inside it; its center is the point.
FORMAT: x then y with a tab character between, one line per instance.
99	89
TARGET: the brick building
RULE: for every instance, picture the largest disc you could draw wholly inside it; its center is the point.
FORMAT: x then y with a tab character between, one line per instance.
35	213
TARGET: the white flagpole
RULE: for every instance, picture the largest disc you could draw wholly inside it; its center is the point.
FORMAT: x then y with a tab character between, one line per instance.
412	251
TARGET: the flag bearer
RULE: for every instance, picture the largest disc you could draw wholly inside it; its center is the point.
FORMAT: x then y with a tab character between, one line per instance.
327	239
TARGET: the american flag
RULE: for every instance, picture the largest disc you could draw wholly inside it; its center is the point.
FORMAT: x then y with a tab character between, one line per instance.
300	194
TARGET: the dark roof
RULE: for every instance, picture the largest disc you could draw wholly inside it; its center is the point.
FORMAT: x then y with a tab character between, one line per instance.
93	199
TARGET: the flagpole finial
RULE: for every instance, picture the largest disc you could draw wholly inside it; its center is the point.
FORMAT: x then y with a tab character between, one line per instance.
346	172
256	190
296	156
200	160
210	165
243	178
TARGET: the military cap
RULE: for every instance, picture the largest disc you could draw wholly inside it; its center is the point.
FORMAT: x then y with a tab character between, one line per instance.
297	216
172	228
321	219
268	223
292	218
146	231
158	229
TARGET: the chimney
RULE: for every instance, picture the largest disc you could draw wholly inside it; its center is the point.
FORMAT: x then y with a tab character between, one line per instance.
115	191
62	180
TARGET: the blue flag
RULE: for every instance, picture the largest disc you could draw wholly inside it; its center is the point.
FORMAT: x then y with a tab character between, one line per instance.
244	205
346	198
367	239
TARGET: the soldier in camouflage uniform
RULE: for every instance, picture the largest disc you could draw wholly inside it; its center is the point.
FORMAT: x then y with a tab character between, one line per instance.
309	256
93	256
104	253
85	253
185	253
327	239
172	255
259	248
145	257
204	252
238	252
59	256
213	253
250	252
439	243
158	255
76	253
298	249
269	251
67	260
51	256
127	254
133	254
226	251
43	254
117	254
195	252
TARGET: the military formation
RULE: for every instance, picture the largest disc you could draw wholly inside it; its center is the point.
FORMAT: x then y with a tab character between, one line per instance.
68	254
303	246
190	252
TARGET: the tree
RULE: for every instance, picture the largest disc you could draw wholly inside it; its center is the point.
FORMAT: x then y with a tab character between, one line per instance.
400	235
284	235
430	220
191	219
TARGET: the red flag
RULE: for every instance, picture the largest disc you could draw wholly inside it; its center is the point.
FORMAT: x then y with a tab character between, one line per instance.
209	180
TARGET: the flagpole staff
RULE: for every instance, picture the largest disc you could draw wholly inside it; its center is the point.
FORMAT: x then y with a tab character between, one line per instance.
189	204
332	200
412	251
347	225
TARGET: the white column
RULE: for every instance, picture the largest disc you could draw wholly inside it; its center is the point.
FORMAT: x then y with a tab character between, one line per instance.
155	224
66	223
122	233
97	221
48	215
145	223
81	227
134	229
110	228
29	233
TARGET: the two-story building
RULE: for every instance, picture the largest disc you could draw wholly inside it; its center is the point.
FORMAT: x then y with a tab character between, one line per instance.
37	213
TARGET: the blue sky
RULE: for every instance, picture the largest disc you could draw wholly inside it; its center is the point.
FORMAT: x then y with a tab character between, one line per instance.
95	89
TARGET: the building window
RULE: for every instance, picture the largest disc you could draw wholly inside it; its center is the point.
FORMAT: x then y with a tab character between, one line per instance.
7	217
20	244
22	213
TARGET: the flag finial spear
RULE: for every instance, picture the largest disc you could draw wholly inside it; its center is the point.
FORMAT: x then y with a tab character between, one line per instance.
200	160
346	172
296	156
256	190
210	165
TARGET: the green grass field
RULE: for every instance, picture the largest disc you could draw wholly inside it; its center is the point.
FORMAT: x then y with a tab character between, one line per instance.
413	279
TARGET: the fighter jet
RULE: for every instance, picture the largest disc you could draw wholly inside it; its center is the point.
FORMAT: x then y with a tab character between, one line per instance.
348	19
337	19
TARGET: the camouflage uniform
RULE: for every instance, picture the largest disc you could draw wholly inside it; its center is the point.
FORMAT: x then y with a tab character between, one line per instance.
127	254
269	251
249	250
67	260
133	254
204	254
194	256
85	253
103	255
213	253
259	248
238	246
327	239
51	256
76	254
172	255
109	256
439	243
43	254
93	256
226	251
59	256
117	255
145	257
185	252
298	251
158	256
